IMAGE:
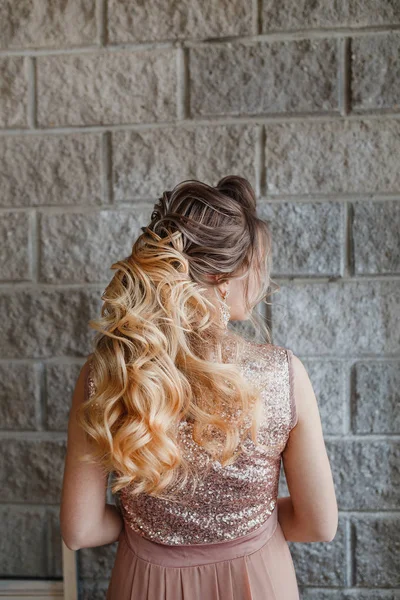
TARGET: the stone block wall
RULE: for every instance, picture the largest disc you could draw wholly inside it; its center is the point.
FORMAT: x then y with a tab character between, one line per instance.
103	105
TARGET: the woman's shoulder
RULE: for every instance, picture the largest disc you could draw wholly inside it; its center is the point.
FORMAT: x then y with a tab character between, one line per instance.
273	354
270	362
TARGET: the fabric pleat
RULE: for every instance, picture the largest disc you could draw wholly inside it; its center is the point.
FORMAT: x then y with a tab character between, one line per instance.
257	566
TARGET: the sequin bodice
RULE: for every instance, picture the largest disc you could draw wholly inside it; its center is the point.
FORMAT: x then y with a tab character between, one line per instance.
234	500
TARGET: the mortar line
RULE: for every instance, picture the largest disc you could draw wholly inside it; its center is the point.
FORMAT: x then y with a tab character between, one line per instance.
30	66
344	66
314	280
259	166
286	35
256	17
42	405
34	246
182	84
101	21
348	248
349	383
351	555
144	203
106	172
192	123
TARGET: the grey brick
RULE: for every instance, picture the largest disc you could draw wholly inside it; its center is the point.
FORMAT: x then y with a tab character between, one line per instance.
97	563
47	323
93	590
276	77
158	20
340	318
376	72
53	169
105	88
13	91
15	246
376	397
45	23
366	473
54	558
148	162
94	241
31	470
333	156
23	548
286	15
376	551
246	330
327	380
283	488
349	594
60	384
376	239
321	563
19	395
308	237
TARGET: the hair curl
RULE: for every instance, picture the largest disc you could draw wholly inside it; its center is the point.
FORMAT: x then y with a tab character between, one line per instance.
151	365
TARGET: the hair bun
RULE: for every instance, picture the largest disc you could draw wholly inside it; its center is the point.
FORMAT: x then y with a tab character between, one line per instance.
161	207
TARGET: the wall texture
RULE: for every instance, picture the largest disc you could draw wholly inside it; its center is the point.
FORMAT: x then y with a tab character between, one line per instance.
105	105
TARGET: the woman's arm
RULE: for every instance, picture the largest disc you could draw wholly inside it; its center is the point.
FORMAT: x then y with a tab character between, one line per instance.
310	513
86	519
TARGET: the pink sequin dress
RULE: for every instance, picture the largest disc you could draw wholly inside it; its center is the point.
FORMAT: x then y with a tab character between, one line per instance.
225	542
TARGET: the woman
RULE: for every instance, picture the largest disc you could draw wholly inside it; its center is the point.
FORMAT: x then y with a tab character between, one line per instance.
191	419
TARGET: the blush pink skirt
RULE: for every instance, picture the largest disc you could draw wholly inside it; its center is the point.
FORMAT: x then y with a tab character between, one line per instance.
256	566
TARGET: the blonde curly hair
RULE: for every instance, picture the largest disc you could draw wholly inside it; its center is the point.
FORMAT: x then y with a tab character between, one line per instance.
150	364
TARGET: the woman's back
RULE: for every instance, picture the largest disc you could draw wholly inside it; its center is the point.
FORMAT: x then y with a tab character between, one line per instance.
234	500
225	540
164	308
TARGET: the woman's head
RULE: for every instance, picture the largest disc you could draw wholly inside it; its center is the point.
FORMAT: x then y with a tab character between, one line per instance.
160	319
227	246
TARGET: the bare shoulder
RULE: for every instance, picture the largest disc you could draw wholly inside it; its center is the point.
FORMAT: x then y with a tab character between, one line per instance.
302	391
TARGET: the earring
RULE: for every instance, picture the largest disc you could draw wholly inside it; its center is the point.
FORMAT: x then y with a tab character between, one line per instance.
225	310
